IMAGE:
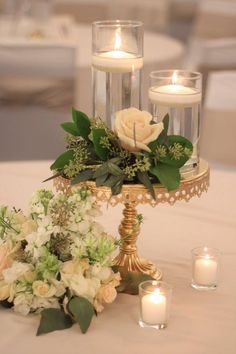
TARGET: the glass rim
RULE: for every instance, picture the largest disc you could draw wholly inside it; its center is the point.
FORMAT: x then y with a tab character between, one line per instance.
200	251
116	23
162	285
187	74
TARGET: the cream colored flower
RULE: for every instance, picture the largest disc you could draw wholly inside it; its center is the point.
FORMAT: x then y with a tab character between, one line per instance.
20	218
97	305
4	290
107	294
115	279
134	129
43	289
7	251
27	228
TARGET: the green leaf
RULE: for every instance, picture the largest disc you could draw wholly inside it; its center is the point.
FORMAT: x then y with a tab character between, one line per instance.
54	176
130	281
100	180
101	171
70	128
112	181
82	123
116	189
172	139
83	176
162	138
169	176
53	320
62	160
101	151
114	169
144	179
82	311
165	121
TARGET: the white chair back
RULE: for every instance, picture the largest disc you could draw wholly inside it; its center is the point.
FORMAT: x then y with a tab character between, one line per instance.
218	141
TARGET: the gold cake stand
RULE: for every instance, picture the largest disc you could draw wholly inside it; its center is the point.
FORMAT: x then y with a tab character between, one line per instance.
131	196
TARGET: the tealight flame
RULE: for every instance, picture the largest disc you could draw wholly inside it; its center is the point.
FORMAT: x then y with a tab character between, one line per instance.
207	256
157	292
174	78
117	39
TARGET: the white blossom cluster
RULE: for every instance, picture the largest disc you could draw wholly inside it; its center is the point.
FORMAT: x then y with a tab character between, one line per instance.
55	252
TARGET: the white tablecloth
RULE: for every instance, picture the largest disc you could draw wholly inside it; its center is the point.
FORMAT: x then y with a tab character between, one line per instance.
200	323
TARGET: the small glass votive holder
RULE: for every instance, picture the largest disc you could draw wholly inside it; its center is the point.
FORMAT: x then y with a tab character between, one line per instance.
155	299
205	268
178	93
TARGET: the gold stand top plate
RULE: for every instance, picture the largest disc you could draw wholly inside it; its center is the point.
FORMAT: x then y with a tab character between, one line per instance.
189	187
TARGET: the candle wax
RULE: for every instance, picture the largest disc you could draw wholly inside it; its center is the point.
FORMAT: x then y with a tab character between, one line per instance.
117	61
174	95
205	271
154	308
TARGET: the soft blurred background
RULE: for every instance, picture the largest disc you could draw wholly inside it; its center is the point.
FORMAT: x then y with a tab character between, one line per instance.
45	56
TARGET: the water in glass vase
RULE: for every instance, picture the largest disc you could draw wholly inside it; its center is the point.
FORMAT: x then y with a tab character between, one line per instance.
114	91
183	121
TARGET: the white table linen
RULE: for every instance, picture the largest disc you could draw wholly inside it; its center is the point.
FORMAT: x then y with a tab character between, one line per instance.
200	323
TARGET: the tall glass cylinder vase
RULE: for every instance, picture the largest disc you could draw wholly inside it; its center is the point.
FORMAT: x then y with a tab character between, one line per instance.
178	93
117	63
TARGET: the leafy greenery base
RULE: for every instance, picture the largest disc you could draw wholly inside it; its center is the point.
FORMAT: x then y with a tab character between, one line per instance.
94	153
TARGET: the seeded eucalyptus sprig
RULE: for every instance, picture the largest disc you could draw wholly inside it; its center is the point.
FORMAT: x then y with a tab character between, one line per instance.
94	153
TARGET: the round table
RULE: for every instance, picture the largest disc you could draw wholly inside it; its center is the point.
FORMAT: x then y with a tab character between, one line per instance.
200	323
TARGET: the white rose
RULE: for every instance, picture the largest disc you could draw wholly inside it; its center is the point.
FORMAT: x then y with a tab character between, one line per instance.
22	303
43	289
40	303
102	273
134	129
27	228
4	290
107	294
16	271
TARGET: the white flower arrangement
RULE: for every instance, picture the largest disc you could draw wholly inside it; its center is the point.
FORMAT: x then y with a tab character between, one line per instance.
57	260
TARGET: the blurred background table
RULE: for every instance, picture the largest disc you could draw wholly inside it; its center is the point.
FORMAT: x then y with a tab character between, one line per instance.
42	78
201	322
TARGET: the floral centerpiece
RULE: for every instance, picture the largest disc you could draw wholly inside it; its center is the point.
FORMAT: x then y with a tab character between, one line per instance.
138	150
56	260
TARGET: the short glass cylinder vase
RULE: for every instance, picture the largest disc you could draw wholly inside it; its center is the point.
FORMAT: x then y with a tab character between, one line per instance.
178	93
155	299
117	62
205	268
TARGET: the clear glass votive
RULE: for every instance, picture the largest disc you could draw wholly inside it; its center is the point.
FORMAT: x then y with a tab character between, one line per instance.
205	268
155	299
117	62
178	93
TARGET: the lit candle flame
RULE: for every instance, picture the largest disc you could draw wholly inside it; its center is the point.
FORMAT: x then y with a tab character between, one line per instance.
174	78
157	292
117	39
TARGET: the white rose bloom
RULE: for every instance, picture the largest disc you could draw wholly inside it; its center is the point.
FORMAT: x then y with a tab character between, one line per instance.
84	287
40	303
43	289
102	273
22	303
134	129
15	271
